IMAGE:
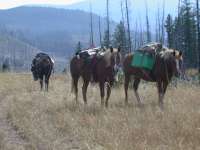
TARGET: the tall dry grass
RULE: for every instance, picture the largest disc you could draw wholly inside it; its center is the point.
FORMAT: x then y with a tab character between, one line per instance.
52	121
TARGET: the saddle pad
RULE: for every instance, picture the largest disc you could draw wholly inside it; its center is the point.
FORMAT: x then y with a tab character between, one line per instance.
143	60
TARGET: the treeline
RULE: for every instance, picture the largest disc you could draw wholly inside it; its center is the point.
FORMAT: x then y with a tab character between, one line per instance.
182	32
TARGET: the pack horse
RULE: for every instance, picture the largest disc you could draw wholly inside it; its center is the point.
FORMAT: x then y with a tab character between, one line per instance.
165	64
41	68
101	67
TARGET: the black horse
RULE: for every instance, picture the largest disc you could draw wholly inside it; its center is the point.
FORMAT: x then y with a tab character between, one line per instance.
41	68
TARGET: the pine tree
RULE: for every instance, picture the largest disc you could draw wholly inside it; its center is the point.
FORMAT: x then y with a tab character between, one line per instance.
169	30
106	39
189	32
119	37
78	47
182	33
198	34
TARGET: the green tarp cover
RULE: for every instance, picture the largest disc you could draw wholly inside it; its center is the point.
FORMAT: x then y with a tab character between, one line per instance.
143	59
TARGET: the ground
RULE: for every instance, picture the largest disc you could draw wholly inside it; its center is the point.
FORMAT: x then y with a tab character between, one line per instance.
35	120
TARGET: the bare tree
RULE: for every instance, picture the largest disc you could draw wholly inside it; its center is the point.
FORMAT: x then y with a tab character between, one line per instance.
100	36
147	23
136	36
159	25
163	24
141	38
123	21
122	13
157	28
91	27
108	20
128	24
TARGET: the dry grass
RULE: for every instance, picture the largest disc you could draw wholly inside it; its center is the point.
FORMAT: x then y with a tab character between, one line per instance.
52	121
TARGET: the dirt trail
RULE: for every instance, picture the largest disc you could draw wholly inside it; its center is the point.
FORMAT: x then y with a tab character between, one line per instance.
9	137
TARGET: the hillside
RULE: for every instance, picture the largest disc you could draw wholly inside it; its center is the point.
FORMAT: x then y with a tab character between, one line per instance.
137	8
19	54
16	52
50	29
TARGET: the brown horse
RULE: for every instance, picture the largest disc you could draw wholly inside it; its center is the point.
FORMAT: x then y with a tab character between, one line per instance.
103	70
167	64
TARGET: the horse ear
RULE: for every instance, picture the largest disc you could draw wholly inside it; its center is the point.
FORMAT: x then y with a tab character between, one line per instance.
174	53
160	46
111	49
119	49
180	53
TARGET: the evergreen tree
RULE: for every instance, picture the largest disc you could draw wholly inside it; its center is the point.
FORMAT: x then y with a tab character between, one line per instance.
198	34
78	47
119	37
106	39
182	33
169	30
189	33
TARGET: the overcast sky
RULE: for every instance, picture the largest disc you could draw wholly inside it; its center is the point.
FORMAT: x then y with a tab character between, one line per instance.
5	4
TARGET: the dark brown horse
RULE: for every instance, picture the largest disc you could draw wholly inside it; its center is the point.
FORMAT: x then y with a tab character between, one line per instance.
167	64
103	70
41	68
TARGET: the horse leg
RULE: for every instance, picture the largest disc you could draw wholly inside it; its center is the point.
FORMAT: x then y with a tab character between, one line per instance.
108	93
84	90
165	84
135	87
161	94
41	83
126	84
47	83
101	86
75	85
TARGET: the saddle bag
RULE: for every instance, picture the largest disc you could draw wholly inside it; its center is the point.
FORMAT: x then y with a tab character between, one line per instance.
142	59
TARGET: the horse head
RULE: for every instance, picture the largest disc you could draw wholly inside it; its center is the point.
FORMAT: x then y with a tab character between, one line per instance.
34	69
116	59
179	61
174	61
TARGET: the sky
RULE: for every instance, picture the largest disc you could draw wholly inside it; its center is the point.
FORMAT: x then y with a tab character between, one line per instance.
6	4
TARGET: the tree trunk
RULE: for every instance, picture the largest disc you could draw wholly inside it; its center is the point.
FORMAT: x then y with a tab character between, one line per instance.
108	22
91	28
198	34
129	34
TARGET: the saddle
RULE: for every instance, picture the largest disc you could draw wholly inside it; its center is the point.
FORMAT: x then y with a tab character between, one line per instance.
152	48
91	57
89	54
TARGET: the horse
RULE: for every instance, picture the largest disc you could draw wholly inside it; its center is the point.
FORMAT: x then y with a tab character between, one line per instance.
101	68
41	68
167	64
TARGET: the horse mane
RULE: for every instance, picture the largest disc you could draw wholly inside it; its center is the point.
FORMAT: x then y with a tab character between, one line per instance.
167	52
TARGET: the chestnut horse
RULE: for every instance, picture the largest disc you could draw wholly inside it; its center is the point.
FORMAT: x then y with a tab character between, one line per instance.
102	68
167	64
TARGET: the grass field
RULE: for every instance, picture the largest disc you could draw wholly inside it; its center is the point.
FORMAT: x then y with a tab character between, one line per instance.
52	121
